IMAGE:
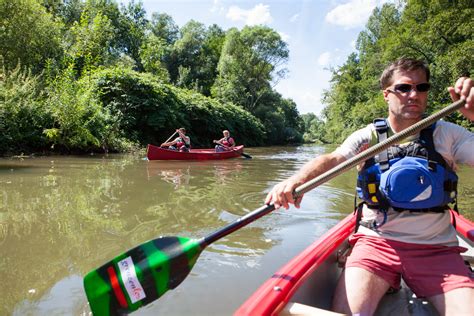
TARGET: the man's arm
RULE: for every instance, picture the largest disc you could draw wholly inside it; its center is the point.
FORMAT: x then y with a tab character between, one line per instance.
220	142
282	193
171	143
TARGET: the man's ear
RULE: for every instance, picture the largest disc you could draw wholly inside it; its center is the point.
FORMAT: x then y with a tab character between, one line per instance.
385	95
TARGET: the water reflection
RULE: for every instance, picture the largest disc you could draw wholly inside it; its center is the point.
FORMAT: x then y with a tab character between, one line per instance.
63	216
172	173
178	173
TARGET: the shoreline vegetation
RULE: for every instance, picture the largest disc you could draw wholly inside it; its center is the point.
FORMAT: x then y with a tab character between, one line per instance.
82	77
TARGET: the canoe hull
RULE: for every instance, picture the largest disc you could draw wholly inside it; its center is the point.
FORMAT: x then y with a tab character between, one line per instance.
158	153
308	281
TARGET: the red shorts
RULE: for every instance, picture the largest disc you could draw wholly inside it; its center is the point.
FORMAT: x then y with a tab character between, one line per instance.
427	269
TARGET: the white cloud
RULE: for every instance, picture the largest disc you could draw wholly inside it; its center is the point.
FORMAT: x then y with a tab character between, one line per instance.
260	14
307	95
217	7
295	18
324	59
310	102
352	14
236	14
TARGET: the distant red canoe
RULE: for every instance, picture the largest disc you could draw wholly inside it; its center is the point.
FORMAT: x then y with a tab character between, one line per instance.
158	153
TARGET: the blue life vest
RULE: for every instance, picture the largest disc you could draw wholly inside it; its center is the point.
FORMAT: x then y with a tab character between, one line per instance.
414	177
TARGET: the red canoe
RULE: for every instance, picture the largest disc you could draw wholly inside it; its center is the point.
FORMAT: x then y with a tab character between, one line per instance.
158	153
306	284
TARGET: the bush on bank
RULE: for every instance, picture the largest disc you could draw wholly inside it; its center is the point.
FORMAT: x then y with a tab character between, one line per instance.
110	110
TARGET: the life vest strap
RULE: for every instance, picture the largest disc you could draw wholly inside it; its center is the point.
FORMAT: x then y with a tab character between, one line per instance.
381	128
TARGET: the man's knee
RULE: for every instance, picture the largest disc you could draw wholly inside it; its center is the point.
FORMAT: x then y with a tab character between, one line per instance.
358	291
339	301
459	301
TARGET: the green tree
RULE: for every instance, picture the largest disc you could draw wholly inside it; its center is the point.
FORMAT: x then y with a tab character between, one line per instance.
251	60
132	26
22	114
90	41
70	11
79	122
438	32
29	35
164	27
152	53
185	54
314	128
195	56
208	59
281	119
348	90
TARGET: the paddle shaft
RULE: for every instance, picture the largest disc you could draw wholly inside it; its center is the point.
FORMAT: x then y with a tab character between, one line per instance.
326	176
170	137
242	154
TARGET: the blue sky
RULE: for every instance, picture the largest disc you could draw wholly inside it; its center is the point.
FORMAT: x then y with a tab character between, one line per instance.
320	34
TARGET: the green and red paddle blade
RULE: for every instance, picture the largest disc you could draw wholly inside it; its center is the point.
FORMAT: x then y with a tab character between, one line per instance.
141	275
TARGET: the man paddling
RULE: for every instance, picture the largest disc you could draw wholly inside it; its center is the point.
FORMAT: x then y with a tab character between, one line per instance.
405	230
181	143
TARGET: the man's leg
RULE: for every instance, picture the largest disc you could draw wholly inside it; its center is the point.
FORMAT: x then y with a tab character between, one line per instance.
440	274
457	302
359	292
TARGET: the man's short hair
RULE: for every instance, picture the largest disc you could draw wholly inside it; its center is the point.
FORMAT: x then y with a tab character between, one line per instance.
406	64
182	129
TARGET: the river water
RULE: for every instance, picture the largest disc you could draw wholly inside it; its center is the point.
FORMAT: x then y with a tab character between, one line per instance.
63	216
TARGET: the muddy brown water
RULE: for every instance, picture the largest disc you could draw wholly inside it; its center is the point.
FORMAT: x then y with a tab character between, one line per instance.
61	217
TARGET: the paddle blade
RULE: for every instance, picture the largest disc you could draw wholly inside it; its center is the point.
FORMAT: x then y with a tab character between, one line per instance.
246	156
140	275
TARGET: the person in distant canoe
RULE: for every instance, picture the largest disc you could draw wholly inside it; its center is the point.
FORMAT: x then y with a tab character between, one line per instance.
181	143
225	143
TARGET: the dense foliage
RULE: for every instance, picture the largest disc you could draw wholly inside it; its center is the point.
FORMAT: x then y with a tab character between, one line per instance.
144	109
439	32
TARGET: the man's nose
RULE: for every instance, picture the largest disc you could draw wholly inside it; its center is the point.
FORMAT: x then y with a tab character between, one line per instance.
413	93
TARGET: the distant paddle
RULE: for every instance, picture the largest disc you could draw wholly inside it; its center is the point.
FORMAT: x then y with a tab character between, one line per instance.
170	137
230	148
144	273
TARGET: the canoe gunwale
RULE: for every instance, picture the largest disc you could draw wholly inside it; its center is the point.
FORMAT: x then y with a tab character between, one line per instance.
275	293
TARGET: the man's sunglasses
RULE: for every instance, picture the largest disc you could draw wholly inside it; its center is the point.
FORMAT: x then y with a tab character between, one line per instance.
406	87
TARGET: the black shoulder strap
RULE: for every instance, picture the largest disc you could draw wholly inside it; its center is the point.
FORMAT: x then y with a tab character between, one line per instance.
426	136
381	127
